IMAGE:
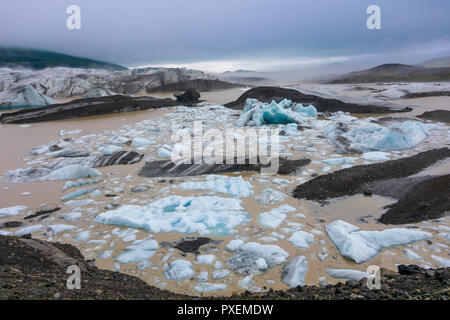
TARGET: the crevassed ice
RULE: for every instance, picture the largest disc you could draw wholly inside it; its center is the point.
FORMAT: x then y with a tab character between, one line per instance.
361	246
234	186
204	215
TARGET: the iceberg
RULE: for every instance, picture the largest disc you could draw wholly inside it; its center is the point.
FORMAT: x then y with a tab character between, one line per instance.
203	215
270	196
80	183
140	250
78	193
236	187
301	239
275	217
54	229
71	172
445	262
247	258
109	149
141	142
293	273
361	246
365	136
23	96
206	258
28	230
256	113
178	270
12	211
220	274
348	274
376	156
210	287
71	216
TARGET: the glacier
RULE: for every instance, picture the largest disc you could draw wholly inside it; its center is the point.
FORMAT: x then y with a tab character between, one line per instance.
361	246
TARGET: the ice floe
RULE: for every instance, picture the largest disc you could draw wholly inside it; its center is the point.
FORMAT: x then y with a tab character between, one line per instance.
348	274
138	251
275	217
234	186
301	239
256	113
12	211
178	270
293	273
203	215
245	257
361	246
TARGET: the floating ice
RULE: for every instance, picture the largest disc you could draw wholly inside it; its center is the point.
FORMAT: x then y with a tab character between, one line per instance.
109	149
270	196
80	183
164	152
22	96
141	142
203	215
274	217
411	255
12	211
54	229
376	156
28	230
210	287
293	273
71	172
78	193
138	251
234	186
361	246
348	274
69	132
234	244
202	276
343	160
301	239
178	270
445	262
245	257
220	274
82	236
206	258
256	113
365	136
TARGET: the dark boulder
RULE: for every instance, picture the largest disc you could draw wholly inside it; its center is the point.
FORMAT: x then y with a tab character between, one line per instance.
188	96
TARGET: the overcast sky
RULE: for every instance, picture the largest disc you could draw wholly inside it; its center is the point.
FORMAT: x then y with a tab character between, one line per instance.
219	35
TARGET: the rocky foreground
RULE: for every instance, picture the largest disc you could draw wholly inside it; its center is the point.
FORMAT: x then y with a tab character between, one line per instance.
35	269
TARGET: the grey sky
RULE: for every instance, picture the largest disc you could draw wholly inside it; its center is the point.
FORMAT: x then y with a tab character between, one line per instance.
232	34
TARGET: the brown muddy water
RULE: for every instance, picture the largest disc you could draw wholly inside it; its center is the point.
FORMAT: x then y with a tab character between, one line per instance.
359	210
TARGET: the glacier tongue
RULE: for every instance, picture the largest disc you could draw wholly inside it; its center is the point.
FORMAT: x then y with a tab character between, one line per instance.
361	246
